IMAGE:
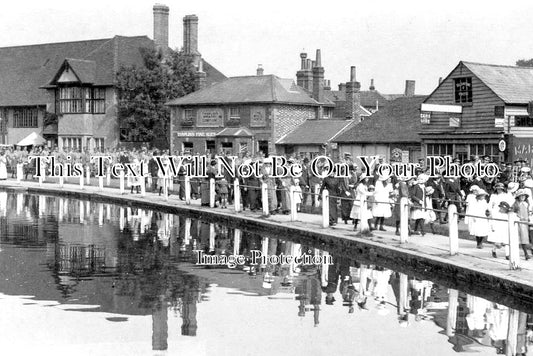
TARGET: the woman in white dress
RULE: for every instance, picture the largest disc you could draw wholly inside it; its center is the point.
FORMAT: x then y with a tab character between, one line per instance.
480	211
3	166
470	202
499	230
360	192
382	208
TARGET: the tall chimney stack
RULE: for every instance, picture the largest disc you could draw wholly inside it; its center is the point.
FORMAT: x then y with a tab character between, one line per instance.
161	26
318	79
200	76
260	70
190	37
353	100
303	56
409	88
372	87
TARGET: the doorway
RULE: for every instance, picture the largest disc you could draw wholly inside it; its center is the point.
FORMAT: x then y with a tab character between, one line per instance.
263	147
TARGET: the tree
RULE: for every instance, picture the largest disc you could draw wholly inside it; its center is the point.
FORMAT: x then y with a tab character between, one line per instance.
143	92
525	62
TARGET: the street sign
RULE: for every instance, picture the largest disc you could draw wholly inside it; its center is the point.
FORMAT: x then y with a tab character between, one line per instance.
502	145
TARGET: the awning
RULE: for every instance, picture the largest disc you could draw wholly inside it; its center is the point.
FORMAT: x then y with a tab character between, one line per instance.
235	132
33	139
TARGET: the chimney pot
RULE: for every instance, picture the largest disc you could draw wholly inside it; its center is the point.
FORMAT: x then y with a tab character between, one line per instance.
352	74
342	87
190	37
318	60
303	56
161	26
409	88
309	63
372	87
260	69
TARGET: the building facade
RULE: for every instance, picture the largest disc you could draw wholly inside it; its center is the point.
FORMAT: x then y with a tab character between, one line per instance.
478	110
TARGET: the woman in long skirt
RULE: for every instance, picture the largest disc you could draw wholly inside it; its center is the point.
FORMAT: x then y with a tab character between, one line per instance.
522	208
470	202
499	230
3	166
361	192
382	208
480	223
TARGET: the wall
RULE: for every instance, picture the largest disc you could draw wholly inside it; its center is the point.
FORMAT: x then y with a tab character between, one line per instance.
285	118
14	135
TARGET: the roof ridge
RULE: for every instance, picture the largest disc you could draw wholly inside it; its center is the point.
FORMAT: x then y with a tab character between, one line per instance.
496	65
56	43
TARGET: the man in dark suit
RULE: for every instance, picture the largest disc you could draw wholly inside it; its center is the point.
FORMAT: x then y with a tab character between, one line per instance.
332	184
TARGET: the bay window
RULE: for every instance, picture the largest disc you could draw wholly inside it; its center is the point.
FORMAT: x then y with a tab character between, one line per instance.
81	100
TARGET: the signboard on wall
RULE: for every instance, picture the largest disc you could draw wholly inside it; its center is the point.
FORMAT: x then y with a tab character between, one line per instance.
257	117
425	117
521	147
210	117
455	122
194	134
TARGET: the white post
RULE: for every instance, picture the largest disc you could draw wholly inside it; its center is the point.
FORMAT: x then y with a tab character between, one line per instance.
81	181
264	198
514	246
236	195
101	183
187	237
294	212
211	237
165	188
325	208
88	175
404	220
121	181
82	211
363	221
108	176
171	182
61	181
453	227
60	212
143	186
212	192
187	190
20	172
315	196
237	241
264	249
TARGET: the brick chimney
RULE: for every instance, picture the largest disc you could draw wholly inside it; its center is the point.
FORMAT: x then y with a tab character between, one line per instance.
409	88
352	97
327	84
161	26
318	78
372	87
190	37
200	76
342	87
260	70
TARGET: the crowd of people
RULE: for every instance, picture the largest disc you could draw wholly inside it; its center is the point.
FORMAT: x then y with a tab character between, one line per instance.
484	203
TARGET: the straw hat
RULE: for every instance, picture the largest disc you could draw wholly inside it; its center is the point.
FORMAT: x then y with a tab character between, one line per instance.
528	183
429	190
522	192
525	170
512	187
481	192
422	178
474	188
499	186
268	160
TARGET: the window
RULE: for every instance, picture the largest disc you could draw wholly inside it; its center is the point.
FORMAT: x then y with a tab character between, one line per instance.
210	146
3	120
188	117
485	150
463	90
234	113
99	144
435	149
78	100
523	121
71	143
25	117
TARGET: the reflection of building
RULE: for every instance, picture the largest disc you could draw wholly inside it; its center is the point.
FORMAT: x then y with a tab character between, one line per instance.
475	107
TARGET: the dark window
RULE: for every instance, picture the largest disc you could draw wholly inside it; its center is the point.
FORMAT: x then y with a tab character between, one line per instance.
79	100
25	117
463	90
435	149
523	121
499	111
188	147
188	117
210	146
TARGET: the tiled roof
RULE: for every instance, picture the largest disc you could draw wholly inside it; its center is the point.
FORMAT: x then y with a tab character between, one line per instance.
398	122
213	75
514	85
368	98
235	131
249	89
314	132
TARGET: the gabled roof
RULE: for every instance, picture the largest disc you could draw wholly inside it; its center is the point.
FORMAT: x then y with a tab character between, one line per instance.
315	132
514	85
398	122
249	89
24	69
84	70
235	132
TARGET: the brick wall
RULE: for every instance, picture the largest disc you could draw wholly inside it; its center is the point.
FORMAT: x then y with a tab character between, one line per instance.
285	118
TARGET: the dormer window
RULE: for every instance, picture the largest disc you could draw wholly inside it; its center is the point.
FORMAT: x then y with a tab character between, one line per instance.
81	100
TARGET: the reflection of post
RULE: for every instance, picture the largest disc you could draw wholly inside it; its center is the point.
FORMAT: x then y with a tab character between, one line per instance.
121	218
188	313
42	205
264	248
20	203
82	212
325	269
237	241
211	237
108	211
60	210
101	214
160	325
404	286
187	237
512	332
88	204
453	294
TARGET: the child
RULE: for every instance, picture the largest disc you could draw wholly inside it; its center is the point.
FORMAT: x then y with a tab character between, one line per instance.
500	229
480	210
223	191
370	203
430	214
521	208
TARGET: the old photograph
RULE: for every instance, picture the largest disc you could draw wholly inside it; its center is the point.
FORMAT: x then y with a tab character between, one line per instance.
266	178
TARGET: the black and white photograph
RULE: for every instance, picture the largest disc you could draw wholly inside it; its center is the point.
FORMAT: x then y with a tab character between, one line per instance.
266	178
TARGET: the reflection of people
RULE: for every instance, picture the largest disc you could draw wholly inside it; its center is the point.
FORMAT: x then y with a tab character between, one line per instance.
3	166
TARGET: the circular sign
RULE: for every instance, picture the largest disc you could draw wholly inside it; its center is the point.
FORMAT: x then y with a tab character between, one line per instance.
502	145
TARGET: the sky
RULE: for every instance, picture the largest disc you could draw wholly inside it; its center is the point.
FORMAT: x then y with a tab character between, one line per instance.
390	41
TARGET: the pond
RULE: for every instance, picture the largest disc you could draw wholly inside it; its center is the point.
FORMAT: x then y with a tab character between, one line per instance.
91	278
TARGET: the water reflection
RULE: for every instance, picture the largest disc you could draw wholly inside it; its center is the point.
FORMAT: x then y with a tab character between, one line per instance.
129	261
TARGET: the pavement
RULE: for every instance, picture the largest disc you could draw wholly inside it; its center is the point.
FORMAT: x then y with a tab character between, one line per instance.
432	246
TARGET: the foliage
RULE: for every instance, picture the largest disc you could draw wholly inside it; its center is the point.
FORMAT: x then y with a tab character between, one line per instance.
525	62
50	118
143	92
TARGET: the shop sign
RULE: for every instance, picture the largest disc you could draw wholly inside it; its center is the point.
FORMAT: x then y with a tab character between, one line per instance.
499	122
210	117
455	122
425	117
195	134
502	145
257	117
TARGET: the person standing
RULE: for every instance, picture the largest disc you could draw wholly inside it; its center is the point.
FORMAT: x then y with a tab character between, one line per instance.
271	183
522	208
382	209
332	184
480	212
418	198
3	165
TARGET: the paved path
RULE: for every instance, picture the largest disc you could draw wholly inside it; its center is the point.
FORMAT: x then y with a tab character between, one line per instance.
434	246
